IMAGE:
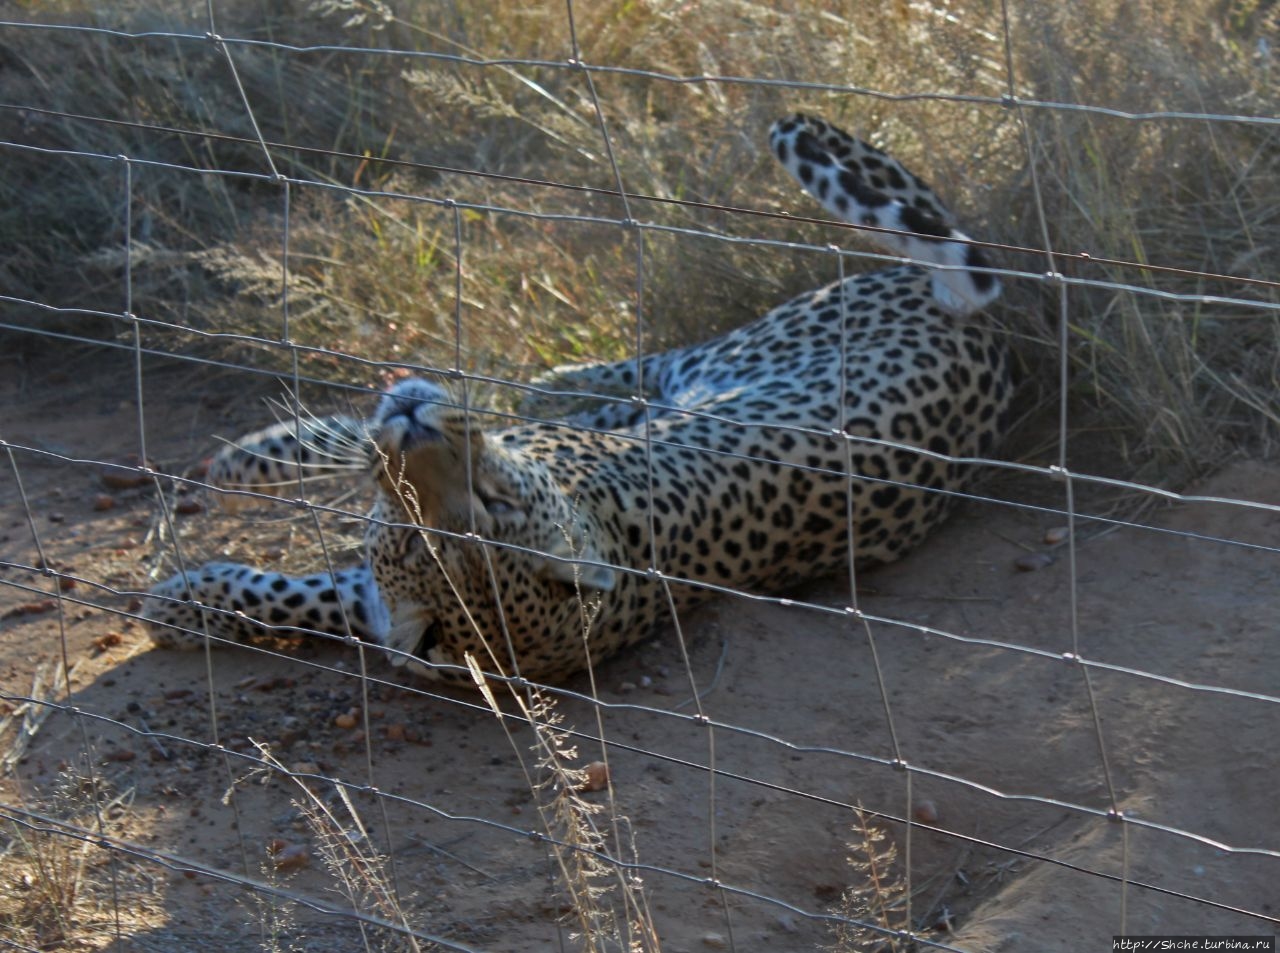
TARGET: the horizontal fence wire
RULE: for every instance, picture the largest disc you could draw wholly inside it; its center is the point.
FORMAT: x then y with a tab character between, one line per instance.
555	715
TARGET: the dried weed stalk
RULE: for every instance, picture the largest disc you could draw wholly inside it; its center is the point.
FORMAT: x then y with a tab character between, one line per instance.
605	903
49	890
360	872
874	910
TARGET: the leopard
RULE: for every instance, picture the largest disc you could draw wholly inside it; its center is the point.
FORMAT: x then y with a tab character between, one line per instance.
831	434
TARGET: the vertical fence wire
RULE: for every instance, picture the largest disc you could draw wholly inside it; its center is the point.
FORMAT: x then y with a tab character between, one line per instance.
1064	469
720	770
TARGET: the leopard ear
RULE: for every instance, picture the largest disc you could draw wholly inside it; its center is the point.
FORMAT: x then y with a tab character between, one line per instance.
582	566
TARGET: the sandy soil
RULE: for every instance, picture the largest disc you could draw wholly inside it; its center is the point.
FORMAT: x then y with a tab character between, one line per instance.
997	726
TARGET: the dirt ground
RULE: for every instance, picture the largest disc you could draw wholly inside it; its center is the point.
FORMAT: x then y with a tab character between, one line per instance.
1011	779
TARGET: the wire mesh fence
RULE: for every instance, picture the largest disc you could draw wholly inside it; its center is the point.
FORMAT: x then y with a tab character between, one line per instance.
1048	725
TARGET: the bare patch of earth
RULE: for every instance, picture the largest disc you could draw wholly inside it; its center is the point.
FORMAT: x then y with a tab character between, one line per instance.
1001	859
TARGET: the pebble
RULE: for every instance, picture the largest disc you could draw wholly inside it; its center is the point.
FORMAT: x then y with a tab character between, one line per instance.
32	608
1056	535
286	857
114	479
926	812
1030	562
715	941
596	777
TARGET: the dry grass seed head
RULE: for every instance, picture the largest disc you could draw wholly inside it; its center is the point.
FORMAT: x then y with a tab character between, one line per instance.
374	274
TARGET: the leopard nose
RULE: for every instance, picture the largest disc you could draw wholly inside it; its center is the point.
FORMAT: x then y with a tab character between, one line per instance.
407	418
397	405
408	398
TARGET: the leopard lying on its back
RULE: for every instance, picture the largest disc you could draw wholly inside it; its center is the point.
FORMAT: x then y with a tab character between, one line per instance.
733	472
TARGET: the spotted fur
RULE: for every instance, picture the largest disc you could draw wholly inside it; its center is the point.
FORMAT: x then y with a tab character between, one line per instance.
753	460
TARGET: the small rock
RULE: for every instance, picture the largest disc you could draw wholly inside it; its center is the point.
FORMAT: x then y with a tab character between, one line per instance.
1056	535
271	684
1030	562
715	941
286	857
596	777
348	719
116	479
32	608
103	502
291	736
107	641
926	812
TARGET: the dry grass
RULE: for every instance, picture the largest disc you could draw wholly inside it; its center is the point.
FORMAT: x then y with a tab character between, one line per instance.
875	907
1179	383
45	885
360	873
605	906
56	892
